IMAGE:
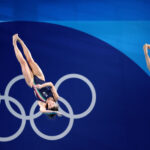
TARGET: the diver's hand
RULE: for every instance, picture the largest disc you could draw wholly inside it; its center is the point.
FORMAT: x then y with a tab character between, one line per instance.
38	86
145	48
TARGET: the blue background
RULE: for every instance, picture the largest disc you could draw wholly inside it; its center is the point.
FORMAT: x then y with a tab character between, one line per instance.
101	40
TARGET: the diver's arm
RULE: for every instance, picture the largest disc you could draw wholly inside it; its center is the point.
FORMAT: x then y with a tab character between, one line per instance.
147	58
42	108
53	89
47	112
148	46
54	92
39	86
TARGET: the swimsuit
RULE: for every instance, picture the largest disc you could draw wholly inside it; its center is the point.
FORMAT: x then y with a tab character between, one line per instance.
44	93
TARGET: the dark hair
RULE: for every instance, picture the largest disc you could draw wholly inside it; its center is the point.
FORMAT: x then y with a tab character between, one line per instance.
51	116
55	108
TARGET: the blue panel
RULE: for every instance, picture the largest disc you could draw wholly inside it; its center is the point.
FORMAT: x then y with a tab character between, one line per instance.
74	10
120	118
127	36
101	40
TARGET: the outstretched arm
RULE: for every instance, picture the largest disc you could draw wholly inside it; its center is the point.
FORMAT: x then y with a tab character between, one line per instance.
147	58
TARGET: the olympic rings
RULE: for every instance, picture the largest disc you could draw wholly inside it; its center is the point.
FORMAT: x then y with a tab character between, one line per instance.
56	137
15	135
33	116
69	76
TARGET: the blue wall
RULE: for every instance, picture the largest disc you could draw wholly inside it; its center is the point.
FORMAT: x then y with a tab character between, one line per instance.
98	41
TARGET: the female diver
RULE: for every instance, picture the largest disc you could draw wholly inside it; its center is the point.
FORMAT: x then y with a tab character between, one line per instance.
34	77
147	58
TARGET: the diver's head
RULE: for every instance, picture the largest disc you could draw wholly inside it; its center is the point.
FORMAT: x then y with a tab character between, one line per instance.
51	105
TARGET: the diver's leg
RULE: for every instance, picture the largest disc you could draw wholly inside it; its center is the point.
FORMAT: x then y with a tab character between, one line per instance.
36	70
24	66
